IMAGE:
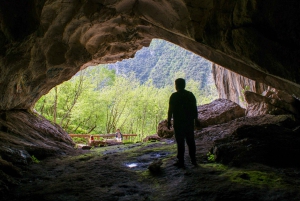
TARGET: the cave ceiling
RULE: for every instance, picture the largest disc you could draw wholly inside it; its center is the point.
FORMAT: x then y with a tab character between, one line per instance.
44	43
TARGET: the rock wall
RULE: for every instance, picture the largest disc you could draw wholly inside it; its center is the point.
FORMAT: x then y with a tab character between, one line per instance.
43	43
23	135
265	139
232	86
273	102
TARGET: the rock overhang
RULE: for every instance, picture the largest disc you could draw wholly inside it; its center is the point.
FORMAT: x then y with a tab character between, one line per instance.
259	40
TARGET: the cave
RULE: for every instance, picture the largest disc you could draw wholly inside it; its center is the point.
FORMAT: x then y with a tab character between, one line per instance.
44	43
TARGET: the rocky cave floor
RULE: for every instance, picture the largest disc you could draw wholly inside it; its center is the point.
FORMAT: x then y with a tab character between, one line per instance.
104	173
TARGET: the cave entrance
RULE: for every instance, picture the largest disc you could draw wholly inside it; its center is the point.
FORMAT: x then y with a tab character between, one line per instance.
131	95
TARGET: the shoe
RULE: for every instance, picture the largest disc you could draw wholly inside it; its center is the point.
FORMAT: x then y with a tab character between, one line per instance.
179	164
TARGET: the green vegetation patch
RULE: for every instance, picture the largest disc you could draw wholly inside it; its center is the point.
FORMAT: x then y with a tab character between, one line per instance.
215	166
81	157
79	140
254	178
34	159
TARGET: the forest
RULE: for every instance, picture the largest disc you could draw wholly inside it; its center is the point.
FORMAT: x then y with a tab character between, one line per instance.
100	99
162	62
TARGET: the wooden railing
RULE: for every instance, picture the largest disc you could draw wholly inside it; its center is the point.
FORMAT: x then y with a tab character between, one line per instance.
106	136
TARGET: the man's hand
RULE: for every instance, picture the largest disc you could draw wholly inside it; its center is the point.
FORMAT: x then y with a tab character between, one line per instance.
169	125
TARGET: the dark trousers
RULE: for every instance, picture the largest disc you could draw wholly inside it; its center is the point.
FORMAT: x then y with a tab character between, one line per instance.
182	135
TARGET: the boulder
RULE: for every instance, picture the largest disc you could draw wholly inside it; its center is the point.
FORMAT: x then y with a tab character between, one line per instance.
152	137
231	85
273	102
25	133
163	131
266	139
218	112
86	147
112	142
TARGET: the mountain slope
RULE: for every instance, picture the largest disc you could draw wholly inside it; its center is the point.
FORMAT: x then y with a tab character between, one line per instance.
163	62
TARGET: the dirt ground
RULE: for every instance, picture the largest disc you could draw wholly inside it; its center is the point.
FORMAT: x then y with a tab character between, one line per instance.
121	173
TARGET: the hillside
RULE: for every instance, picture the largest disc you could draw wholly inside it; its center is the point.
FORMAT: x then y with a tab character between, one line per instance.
162	62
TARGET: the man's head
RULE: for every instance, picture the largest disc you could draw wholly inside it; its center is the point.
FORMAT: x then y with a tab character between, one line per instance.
179	84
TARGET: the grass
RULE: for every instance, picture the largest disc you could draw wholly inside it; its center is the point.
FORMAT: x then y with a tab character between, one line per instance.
251	178
254	178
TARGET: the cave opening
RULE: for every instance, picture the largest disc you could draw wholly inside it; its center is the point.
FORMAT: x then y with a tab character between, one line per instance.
131	94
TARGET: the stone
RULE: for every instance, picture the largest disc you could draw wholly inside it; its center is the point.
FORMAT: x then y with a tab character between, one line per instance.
27	133
154	137
218	112
112	142
154	167
9	168
86	147
97	143
46	43
163	131
267	144
276	102
206	137
232	86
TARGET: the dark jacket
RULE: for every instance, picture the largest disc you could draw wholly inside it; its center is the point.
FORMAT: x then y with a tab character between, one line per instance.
183	109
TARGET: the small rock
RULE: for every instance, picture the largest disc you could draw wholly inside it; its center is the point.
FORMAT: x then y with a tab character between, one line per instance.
86	147
155	166
154	138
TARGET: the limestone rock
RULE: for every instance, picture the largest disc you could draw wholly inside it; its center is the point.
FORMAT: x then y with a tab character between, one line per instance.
86	147
154	167
232	86
26	133
251	139
163	131
266	144
274	102
47	42
218	112
206	137
154	137
9	168
112	142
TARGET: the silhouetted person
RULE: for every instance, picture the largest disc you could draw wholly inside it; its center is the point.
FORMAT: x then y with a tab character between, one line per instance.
183	109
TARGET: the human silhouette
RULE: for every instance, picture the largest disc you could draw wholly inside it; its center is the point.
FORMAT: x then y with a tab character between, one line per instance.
183	109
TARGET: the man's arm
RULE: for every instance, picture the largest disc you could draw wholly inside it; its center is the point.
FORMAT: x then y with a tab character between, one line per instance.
195	112
170	113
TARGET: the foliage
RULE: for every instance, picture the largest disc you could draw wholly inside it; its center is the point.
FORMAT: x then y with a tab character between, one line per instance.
79	140
34	159
162	62
242	98
210	157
